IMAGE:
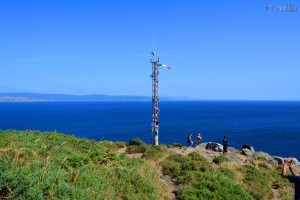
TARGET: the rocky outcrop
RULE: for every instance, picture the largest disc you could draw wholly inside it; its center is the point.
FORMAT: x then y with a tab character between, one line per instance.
247	152
211	149
296	161
279	160
173	184
214	146
247	146
263	155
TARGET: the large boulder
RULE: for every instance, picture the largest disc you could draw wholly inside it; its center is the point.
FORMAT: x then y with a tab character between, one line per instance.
247	152
247	146
279	159
214	146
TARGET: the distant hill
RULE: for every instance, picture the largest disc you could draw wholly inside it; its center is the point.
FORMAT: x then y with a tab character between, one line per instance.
18	99
31	97
26	97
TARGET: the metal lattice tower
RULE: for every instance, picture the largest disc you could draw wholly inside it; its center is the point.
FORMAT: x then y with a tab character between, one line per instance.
155	99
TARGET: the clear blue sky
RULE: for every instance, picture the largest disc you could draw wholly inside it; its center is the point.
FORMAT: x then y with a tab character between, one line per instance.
222	50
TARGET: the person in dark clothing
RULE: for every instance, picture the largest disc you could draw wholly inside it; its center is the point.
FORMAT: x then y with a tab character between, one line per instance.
288	163
198	138
225	145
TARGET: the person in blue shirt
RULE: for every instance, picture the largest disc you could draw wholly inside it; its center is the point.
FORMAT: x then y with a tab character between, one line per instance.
288	163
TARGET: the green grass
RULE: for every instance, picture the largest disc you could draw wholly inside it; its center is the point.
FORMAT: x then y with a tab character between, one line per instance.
136	142
220	159
49	165
153	154
200	180
257	184
137	149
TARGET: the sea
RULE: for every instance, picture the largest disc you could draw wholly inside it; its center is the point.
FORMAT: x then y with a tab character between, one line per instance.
269	126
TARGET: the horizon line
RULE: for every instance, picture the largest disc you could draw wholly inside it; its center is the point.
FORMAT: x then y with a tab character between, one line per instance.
172	98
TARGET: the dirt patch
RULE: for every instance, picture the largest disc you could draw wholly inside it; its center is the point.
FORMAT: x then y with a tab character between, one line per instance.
134	155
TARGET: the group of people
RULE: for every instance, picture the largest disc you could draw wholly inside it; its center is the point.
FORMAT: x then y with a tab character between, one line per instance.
288	164
199	138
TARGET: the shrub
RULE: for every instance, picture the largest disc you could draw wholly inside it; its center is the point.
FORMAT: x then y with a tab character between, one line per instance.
56	166
195	184
120	144
256	183
264	166
136	142
176	145
137	149
197	157
171	168
227	172
161	147
152	154
220	159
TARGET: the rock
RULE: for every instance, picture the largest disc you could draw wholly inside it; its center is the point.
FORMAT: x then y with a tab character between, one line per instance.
175	181
264	155
214	146
296	161
247	162
166	178
172	196
279	160
220	147
247	146
232	149
274	162
247	152
173	184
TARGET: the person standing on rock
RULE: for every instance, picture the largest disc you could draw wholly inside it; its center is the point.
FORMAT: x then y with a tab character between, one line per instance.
190	140
198	138
292	178
225	145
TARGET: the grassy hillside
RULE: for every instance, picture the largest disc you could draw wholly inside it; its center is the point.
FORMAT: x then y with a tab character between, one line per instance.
49	165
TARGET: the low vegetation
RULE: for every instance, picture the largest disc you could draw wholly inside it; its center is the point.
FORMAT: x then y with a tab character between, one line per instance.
49	165
56	166
220	159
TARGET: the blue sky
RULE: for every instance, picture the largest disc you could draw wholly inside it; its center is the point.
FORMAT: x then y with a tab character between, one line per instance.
221	50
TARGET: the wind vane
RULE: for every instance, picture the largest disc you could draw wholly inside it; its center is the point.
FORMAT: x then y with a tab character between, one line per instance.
155	98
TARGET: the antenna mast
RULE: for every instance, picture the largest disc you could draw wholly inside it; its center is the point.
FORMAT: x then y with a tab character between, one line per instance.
155	98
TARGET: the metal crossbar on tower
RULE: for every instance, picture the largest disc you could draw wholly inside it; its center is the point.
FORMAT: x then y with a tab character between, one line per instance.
155	98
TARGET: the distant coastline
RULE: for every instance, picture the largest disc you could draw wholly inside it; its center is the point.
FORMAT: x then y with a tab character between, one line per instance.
39	97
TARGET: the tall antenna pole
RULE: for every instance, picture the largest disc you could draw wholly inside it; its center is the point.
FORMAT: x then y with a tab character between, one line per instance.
155	99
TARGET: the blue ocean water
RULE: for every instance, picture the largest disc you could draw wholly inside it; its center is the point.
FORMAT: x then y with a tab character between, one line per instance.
270	126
